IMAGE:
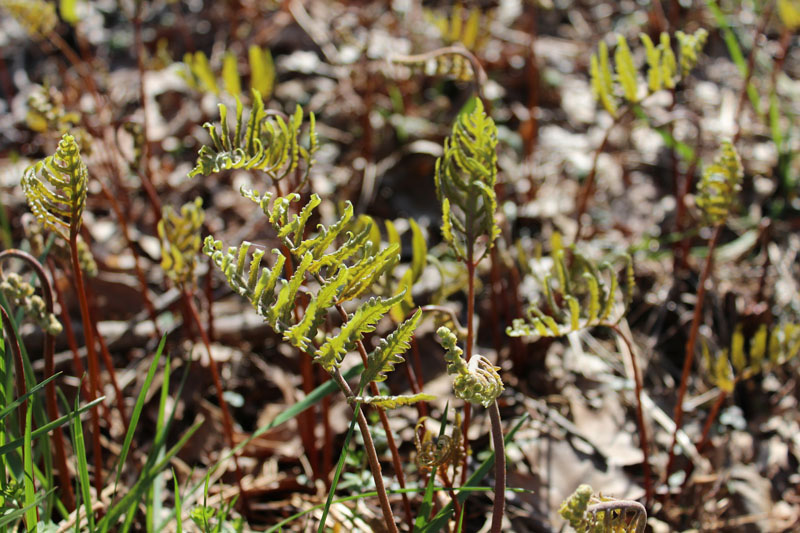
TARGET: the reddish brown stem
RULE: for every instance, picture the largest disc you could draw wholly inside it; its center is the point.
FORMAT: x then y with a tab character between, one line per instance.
19	369
227	421
91	357
50	370
690	344
705	436
643	441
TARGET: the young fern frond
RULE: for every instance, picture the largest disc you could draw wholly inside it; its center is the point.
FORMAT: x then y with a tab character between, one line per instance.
180	240
465	180
266	143
394	402
438	451
199	75
720	183
56	188
587	513
457	29
662	67
474	382
21	293
587	299
262	70
767	349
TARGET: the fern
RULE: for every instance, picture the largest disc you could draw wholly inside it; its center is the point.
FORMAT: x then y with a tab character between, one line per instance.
720	183
767	350
662	67
587	299
789	11
460	29
46	111
180	240
266	143
262	70
199	74
387	354
452	62
465	180
394	402
36	16
21	293
438	451
474	382
55	188
587	513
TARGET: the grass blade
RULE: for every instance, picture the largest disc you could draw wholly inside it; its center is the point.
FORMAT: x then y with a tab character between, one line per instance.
31	515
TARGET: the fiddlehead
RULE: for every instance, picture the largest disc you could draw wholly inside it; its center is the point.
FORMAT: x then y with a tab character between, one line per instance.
56	188
474	382
587	513
180	240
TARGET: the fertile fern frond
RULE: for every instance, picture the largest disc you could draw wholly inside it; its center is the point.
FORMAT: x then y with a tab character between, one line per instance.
767	349
38	17
56	188
587	513
394	402
588	300
364	320
266	143
388	352
465	179
21	293
476	381
720	183
180	240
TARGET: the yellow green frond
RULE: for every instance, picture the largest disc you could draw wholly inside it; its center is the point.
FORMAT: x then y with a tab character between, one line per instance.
180	240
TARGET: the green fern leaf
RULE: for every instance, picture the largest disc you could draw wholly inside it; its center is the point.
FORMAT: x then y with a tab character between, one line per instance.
363	321
300	335
180	240
394	402
201	72
654	71
738	357
689	47
669	65
602	82
230	74
284	303
268	143
367	271
388	352
758	348
626	71
56	186
262	70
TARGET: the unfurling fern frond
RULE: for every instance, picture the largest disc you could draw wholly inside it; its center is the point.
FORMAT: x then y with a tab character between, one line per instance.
720	183
587	513
180	240
465	179
587	300
689	45
56	188
438	451
394	402
474	382
767	349
21	293
266	143
38	17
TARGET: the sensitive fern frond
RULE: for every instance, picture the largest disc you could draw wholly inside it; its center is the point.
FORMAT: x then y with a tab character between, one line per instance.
465	179
720	183
767	349
21	294
587	299
266	143
56	188
474	382
587	513
388	352
180	240
394	402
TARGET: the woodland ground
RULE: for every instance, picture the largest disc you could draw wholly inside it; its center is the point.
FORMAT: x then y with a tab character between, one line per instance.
381	129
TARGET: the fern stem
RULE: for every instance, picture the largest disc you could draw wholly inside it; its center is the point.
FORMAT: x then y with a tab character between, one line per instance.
643	441
396	463
49	370
19	368
91	356
227	421
470	260
690	344
372	455
705	438
499	468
